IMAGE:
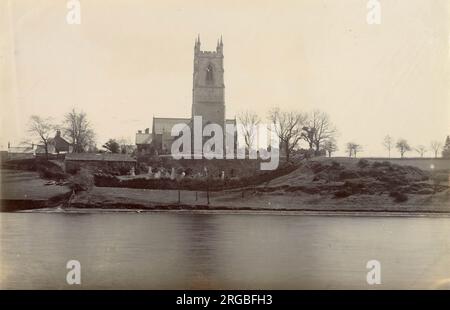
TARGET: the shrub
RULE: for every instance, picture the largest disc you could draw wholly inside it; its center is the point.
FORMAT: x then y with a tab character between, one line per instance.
348	174
342	193
353	187
52	174
142	168
425	191
82	181
398	196
317	167
335	164
123	170
50	170
363	163
310	189
377	164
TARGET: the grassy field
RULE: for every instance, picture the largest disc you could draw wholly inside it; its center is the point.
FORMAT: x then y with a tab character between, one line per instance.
16	184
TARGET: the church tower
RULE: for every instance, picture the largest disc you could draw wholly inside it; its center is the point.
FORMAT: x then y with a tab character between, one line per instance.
208	92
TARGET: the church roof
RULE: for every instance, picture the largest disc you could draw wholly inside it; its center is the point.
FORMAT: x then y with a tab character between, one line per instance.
165	124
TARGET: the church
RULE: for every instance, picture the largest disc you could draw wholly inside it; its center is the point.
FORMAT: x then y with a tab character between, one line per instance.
208	101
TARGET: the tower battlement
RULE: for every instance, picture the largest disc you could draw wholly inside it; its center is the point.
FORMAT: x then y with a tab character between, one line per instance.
217	53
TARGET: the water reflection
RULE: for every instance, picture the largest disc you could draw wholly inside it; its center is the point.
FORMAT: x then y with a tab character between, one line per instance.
198	250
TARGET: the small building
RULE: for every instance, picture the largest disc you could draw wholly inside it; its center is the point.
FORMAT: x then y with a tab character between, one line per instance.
60	144
162	129
144	142
21	152
159	141
56	145
120	163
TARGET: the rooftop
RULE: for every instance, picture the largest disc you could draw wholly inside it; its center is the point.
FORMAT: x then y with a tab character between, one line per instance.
143	138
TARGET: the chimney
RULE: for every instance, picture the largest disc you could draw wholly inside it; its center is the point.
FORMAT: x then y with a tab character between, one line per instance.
9	145
147	130
139	131
58	133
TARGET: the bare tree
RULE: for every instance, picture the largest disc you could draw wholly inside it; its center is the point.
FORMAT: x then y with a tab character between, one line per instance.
436	146
288	127
318	129
421	150
42	128
126	146
349	148
357	148
403	147
330	146
446	148
249	122
78	129
353	148
388	143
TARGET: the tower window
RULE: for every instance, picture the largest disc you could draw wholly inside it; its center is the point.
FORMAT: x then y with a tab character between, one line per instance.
209	73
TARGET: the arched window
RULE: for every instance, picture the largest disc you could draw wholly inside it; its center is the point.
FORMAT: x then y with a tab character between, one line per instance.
209	74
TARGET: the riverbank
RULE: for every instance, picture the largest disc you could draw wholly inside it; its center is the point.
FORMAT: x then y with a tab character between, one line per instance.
21	190
252	200
361	213
320	185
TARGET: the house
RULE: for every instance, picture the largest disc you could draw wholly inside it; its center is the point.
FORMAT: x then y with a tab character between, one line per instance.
144	142
56	145
60	144
121	163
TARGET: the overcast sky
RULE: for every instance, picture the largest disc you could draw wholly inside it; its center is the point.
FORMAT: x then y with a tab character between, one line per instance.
130	60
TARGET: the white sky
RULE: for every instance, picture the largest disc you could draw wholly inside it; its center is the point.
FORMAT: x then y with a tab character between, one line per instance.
131	59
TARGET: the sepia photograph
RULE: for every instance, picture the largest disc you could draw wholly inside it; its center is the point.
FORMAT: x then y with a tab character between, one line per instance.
210	146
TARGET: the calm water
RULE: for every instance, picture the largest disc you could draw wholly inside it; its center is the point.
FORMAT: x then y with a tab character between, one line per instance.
174	251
